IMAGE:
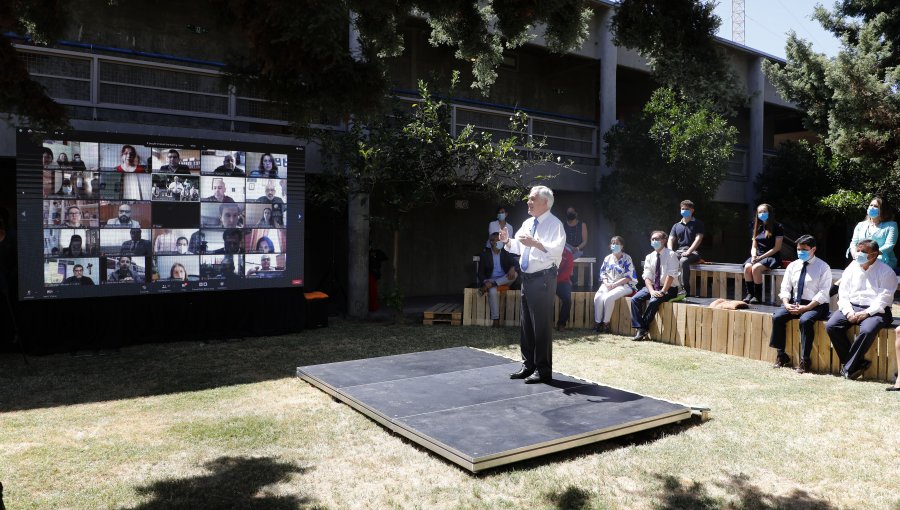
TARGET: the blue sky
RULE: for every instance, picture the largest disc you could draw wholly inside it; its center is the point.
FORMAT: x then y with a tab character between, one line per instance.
768	21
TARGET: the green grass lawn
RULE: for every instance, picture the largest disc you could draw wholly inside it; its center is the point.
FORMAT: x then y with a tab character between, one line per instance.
228	425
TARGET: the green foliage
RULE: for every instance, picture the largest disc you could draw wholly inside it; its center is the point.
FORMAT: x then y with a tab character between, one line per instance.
44	21
853	100
677	37
410	159
672	151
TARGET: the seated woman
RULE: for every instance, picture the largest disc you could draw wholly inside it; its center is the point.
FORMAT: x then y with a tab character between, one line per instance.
877	228
765	253
617	280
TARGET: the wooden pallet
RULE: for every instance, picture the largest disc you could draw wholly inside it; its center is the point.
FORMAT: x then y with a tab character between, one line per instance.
443	313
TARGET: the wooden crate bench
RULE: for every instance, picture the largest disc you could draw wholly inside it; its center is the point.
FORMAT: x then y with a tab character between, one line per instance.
746	333
443	313
477	313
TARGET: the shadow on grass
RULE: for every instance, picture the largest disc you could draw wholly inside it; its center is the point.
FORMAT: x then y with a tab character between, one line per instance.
159	369
233	483
572	498
677	495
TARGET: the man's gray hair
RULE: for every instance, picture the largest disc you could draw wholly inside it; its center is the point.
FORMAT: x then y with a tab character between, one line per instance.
545	193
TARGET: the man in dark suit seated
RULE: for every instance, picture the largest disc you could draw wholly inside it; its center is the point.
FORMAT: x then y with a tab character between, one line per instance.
136	246
498	267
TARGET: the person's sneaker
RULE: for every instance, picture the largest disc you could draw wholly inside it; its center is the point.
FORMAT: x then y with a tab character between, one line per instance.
640	335
753	301
782	360
803	367
679	297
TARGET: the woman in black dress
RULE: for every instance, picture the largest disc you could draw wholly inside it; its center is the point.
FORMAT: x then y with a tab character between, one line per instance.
765	252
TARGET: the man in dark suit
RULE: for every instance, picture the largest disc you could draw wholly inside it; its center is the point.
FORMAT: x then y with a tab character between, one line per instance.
136	246
498	267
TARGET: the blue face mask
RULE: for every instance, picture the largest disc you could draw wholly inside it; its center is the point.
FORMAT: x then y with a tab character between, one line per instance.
499	245
873	212
803	255
862	258
656	244
615	248
685	213
763	216
501	216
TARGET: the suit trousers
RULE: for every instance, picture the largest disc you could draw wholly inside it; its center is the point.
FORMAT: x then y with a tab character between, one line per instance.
642	319
852	355
536	338
808	320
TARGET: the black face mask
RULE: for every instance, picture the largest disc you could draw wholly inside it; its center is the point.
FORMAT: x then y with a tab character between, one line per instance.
571	215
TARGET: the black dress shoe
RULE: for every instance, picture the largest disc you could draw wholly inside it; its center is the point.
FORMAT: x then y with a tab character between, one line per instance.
892	388
858	371
803	367
782	360
521	374
640	335
536	378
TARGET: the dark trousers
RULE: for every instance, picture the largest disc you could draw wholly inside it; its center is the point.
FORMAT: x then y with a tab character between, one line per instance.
852	355
807	327
536	338
642	319
686	262
564	293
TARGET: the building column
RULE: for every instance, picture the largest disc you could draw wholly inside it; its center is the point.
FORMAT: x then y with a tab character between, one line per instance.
756	83
609	59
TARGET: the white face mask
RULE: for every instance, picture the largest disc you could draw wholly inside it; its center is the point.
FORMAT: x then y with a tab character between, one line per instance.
67	189
182	249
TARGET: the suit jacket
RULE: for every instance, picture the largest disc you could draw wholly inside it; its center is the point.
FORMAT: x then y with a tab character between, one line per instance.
486	268
141	247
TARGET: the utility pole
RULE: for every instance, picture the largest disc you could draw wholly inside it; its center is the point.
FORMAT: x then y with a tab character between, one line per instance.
737	21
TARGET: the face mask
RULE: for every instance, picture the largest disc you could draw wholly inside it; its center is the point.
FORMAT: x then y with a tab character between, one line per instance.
763	216
873	212
571	215
803	255
498	245
67	189
656	244
615	248
685	213
182	249
862	258
501	216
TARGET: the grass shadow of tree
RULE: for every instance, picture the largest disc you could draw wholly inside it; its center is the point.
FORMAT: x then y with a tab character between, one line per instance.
572	498
233	483
161	369
677	494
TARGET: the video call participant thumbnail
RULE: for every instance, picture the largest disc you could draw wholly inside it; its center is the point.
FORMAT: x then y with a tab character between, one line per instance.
174	166
229	168
78	277
231	240
137	245
125	270
123	220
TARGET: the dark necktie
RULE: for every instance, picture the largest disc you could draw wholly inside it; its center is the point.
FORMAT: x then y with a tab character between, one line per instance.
802	282
527	251
656	283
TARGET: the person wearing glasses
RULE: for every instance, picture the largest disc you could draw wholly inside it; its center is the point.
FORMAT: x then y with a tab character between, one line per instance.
78	277
124	219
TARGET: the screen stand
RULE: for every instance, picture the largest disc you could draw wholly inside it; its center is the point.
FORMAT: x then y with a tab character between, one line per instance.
17	340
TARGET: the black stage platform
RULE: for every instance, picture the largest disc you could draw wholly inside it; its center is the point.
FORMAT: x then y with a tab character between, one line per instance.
461	404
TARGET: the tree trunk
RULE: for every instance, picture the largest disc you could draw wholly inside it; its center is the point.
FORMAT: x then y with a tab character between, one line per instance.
358	256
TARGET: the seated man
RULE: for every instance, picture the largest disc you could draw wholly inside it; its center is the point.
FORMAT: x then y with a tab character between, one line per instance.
124	272
661	268
804	296
231	240
124	218
136	246
864	297
498	267
78	278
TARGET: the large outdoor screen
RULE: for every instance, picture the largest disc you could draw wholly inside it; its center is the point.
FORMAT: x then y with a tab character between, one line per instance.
106	214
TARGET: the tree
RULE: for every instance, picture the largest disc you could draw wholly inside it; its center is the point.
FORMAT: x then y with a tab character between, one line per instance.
410	159
297	52
853	99
673	150
677	37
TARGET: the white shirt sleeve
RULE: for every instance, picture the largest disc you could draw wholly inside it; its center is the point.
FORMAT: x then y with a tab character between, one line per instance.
824	285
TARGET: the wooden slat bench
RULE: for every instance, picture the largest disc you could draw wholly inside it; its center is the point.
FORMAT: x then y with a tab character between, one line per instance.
691	323
443	313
